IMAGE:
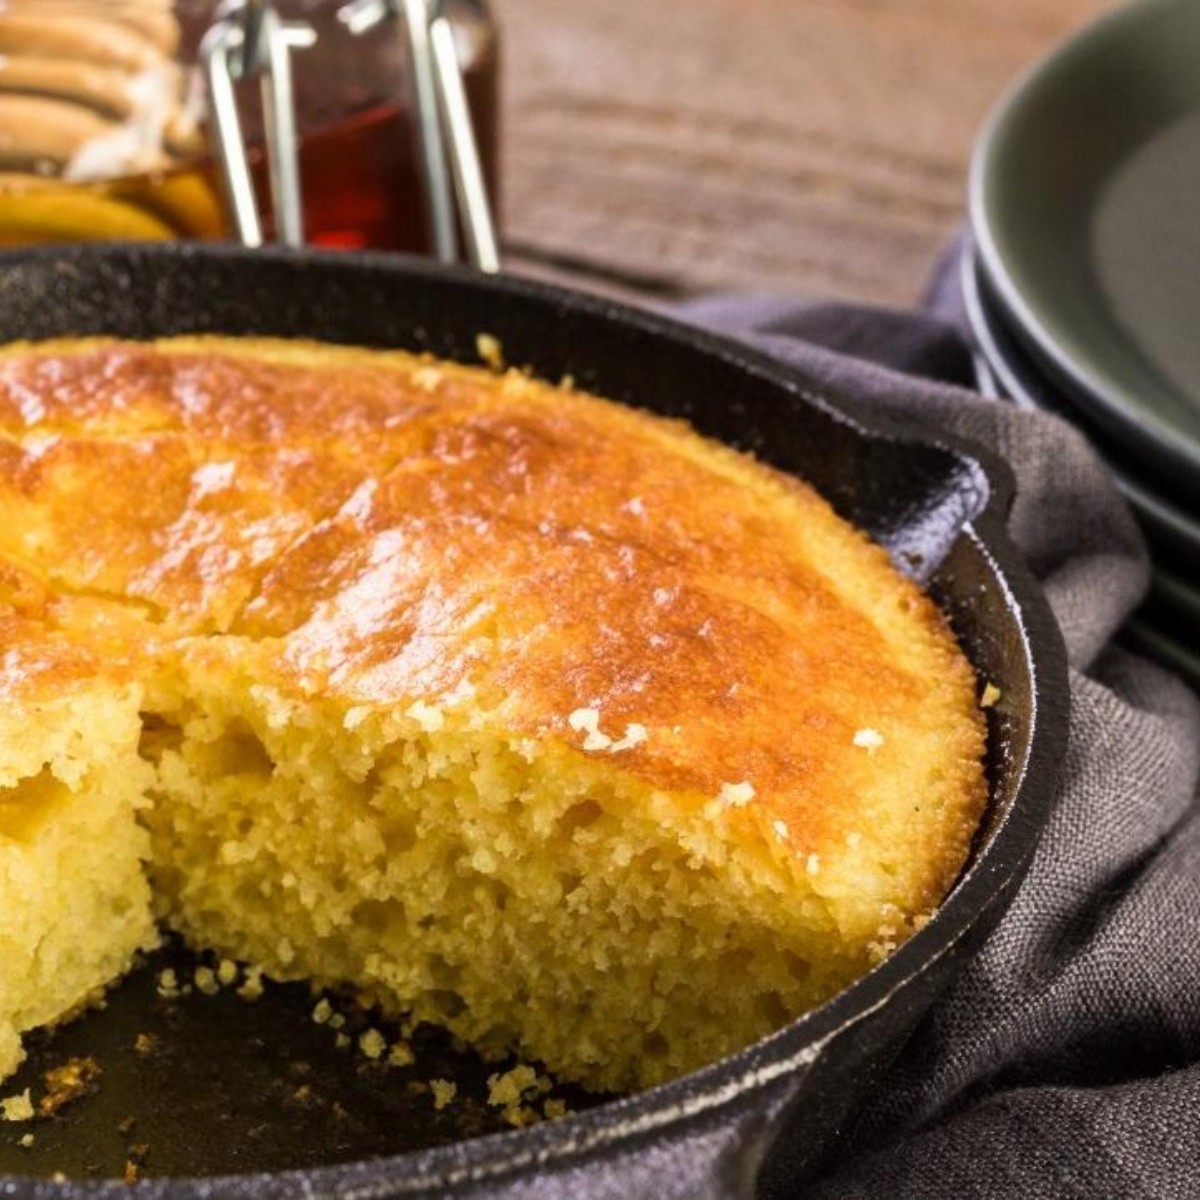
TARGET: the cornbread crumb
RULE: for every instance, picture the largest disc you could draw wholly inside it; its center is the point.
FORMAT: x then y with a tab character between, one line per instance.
735	795
554	1109
168	983
990	697
252	987
342	1041
134	1160
322	1012
426	378
520	1115
25	1141
227	972
66	1083
444	1092
144	1043
587	721
355	716
516	383
881	949
635	735
205	980
510	1087
584	719
401	1055
869	739
373	1044
337	1021
490	351
17	1108
430	718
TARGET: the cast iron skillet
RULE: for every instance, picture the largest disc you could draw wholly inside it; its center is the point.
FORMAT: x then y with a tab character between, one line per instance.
761	1119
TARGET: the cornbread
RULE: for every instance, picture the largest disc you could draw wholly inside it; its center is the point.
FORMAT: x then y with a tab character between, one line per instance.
534	716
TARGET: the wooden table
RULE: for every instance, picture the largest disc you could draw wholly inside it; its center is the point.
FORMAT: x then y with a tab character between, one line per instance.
820	147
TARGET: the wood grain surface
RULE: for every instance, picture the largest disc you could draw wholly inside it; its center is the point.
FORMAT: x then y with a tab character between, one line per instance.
666	147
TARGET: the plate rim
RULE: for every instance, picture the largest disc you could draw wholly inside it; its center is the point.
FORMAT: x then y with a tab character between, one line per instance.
1162	511
1110	402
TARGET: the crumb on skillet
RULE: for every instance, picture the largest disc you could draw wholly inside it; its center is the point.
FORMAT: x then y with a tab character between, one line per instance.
17	1108
490	351
443	1091
372	1043
135	1158
401	1054
252	988
67	1082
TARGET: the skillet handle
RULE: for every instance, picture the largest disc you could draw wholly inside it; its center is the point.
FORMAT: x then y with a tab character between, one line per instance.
712	1152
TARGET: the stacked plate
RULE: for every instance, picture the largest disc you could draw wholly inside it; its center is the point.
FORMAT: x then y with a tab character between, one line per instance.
1083	280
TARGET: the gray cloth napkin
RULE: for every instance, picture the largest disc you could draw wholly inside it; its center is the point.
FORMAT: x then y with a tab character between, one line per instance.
1065	1059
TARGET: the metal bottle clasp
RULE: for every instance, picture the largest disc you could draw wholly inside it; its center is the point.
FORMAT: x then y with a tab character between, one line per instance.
249	39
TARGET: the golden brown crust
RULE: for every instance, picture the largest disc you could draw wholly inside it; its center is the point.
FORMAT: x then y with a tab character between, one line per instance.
392	529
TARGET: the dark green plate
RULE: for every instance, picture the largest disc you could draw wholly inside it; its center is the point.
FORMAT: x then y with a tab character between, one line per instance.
1085	202
1006	370
1167	627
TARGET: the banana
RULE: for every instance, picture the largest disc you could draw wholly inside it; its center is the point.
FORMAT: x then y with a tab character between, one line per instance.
67	215
90	90
184	200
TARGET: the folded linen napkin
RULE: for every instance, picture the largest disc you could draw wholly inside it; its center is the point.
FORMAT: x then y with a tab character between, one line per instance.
1065	1059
